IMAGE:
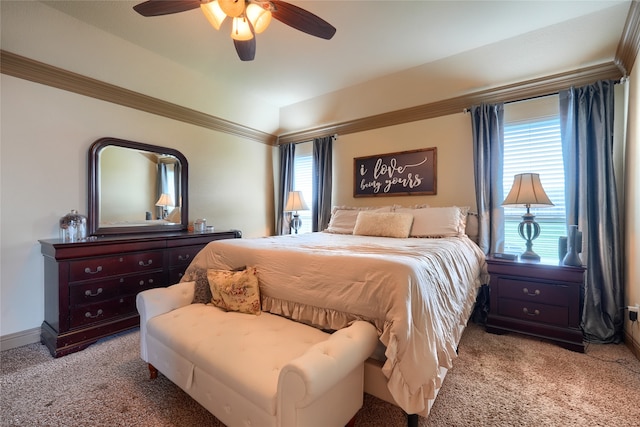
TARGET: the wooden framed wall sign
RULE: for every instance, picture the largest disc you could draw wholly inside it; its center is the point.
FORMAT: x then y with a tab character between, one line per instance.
404	173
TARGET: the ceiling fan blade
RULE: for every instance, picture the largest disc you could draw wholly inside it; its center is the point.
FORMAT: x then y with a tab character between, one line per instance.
246	49
166	7
302	20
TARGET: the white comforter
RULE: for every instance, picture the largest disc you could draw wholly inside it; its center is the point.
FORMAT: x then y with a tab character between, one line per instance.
417	292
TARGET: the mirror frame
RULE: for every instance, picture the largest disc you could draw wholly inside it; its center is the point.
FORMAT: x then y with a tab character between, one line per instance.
94	189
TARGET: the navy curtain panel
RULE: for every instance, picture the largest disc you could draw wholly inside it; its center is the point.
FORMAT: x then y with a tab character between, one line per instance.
162	185
586	117
283	219
487	123
322	172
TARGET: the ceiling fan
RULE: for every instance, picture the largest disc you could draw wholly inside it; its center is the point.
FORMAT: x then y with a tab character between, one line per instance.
249	17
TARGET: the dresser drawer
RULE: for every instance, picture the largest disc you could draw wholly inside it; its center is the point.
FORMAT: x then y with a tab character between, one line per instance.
541	293
95	268
183	256
95	291
98	312
136	284
543	313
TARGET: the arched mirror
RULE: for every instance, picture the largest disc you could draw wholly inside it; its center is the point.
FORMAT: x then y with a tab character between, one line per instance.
135	187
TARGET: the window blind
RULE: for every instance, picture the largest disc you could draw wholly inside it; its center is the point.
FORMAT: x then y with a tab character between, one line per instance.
303	181
535	146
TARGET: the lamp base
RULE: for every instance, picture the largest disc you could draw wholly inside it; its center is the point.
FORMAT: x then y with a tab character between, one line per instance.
530	255
296	223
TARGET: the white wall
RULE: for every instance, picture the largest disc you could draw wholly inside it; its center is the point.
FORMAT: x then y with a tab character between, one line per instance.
632	203
46	134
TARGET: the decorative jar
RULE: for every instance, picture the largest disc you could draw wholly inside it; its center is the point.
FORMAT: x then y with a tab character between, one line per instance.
73	227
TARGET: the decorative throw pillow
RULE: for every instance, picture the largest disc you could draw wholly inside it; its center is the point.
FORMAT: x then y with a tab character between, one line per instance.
343	218
439	222
383	224
201	292
235	290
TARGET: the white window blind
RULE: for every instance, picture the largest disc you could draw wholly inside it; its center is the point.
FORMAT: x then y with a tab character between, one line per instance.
535	146
303	181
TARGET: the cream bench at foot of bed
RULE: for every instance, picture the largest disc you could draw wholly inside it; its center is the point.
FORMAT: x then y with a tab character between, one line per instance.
251	370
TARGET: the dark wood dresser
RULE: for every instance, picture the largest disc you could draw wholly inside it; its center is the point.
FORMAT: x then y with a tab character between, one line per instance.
536	298
91	286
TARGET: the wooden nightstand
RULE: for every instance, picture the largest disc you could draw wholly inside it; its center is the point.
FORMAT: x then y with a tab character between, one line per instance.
536	298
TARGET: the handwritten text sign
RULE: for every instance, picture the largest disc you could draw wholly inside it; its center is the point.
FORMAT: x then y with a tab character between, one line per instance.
396	174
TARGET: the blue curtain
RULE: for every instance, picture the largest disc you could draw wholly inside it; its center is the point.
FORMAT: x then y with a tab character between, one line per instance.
322	166
488	146
586	117
287	156
162	185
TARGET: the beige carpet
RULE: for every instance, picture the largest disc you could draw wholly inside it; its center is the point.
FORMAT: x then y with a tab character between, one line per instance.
504	380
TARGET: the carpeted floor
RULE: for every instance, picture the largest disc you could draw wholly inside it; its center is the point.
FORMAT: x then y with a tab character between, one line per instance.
507	380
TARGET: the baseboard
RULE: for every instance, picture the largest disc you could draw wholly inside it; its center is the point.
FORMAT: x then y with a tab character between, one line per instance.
19	339
634	346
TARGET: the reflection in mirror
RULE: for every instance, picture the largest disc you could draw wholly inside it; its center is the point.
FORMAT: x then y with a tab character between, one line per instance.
136	187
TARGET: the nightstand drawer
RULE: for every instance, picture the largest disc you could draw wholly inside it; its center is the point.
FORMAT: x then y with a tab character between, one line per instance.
554	315
541	293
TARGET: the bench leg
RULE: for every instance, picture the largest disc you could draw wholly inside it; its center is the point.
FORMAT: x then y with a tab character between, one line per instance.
153	372
412	420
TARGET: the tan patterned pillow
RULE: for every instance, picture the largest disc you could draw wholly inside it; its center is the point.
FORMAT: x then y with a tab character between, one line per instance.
235	290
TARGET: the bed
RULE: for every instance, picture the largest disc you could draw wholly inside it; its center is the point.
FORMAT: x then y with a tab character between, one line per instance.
418	292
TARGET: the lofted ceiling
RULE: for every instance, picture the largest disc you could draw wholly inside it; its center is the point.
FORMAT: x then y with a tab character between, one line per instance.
373	39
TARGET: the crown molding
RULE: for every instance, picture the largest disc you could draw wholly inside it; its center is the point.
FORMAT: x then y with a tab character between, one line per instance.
630	41
509	93
39	72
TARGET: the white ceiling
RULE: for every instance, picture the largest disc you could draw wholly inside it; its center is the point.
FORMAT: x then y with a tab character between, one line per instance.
373	39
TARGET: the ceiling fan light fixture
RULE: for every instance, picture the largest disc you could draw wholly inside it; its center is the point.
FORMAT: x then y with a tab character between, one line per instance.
214	13
241	29
233	8
259	17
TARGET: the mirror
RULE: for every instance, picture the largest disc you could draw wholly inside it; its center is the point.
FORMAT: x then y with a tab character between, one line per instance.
136	187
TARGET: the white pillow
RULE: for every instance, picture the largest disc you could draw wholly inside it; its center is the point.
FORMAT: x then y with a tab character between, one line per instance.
383	224
343	218
439	222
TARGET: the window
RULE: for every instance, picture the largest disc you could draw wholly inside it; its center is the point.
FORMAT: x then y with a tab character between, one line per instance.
534	145
303	181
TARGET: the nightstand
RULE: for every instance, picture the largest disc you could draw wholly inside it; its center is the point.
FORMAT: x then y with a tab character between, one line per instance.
540	299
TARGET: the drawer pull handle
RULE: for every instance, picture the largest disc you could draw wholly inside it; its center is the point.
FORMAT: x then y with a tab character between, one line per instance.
143	264
184	257
534	294
91	294
89	271
89	315
535	312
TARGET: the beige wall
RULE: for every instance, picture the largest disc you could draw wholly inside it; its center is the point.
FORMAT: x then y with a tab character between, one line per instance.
451	135
632	203
45	137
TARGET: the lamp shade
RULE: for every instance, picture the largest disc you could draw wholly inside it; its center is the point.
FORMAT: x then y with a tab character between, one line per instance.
214	14
527	191
241	30
165	200
259	17
295	202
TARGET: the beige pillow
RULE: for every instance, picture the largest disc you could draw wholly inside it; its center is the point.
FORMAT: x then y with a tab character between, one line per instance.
439	222
235	290
343	218
383	224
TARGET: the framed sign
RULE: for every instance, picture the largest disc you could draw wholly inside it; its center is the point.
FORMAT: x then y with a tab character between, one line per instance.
396	174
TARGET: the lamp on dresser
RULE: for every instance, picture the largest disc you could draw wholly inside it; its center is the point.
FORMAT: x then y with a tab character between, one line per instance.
295	203
164	201
527	191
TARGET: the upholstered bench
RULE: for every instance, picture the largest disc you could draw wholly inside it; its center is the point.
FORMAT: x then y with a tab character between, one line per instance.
250	370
